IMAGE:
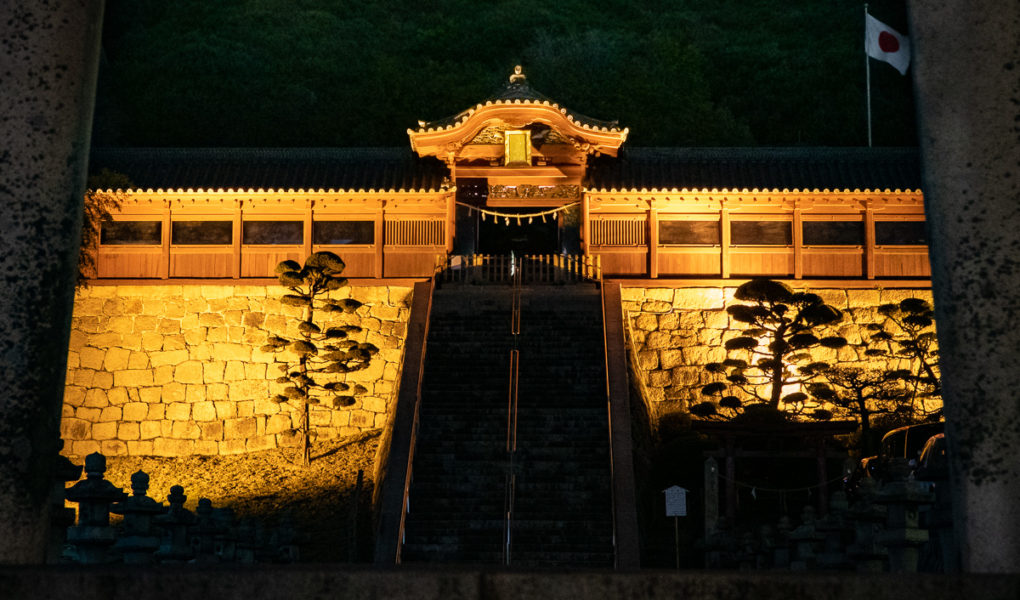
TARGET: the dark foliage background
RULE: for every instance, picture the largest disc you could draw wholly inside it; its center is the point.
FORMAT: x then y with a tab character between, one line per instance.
359	73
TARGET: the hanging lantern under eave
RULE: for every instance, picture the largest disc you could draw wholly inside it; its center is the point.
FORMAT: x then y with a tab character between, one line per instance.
518	221
506	220
530	219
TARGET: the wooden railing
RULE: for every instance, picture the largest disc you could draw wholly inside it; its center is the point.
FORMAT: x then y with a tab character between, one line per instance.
532	268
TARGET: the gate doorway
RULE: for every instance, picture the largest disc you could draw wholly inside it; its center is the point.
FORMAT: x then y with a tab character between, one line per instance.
503	235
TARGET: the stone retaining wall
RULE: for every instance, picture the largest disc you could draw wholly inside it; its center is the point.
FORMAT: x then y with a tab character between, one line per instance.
674	333
176	370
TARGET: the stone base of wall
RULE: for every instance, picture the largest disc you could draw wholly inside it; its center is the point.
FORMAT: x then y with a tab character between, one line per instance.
674	333
176	370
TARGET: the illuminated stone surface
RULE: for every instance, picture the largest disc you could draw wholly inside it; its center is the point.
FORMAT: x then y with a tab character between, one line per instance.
200	386
673	348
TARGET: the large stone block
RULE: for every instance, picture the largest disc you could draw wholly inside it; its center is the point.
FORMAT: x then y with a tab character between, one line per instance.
113	448
152	342
133	378
135	411
206	448
239	428
128	431
186	430
121	324
96	398
111	413
131	341
174	342
862	298
116	359
118	395
145	323
217	335
228	351
362	419
248	390
203	411
212	430
171	447
151	395
149	430
138	360
91	358
255	371
104	431
656	340
374	405
670	358
139	448
278	423
74	429
699	298
84	447
208	319
88	414
168	358
646	322
659	378
194	335
648	359
656	306
178	411
78	340
188	372
212	371
100	379
659	294
74	395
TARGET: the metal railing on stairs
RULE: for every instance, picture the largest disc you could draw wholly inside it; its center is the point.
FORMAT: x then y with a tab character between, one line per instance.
511	419
528	268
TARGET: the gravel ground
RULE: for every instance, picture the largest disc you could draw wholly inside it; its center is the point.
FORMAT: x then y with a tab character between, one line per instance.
265	485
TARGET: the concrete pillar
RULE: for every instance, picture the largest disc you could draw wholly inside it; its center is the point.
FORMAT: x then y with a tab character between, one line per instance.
967	75
48	59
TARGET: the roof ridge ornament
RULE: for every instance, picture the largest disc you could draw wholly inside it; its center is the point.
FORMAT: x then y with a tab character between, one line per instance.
517	75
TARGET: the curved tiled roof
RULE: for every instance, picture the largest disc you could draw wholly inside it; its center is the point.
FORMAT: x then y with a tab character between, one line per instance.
519	92
399	169
757	168
391	169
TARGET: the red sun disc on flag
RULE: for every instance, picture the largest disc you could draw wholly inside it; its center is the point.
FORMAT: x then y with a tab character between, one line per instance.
888	43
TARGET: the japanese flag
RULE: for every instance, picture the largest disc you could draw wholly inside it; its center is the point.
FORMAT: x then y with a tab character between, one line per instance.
884	43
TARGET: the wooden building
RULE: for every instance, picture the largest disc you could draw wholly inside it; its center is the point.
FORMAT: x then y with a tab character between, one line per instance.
518	172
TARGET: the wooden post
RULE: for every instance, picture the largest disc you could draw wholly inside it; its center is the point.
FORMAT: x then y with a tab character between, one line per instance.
164	263
585	223
236	237
798	245
724	239
653	240
306	239
380	242
869	241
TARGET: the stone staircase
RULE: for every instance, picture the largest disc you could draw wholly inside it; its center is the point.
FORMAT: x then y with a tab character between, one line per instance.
562	500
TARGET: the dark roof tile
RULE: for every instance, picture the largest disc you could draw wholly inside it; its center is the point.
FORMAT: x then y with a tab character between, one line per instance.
757	168
272	168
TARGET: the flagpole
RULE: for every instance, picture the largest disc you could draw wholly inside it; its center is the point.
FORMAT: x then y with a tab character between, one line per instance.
867	70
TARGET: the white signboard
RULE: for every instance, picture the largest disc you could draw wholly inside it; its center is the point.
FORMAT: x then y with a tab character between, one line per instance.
676	501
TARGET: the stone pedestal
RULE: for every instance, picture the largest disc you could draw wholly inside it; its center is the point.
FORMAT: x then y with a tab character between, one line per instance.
47	74
966	70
